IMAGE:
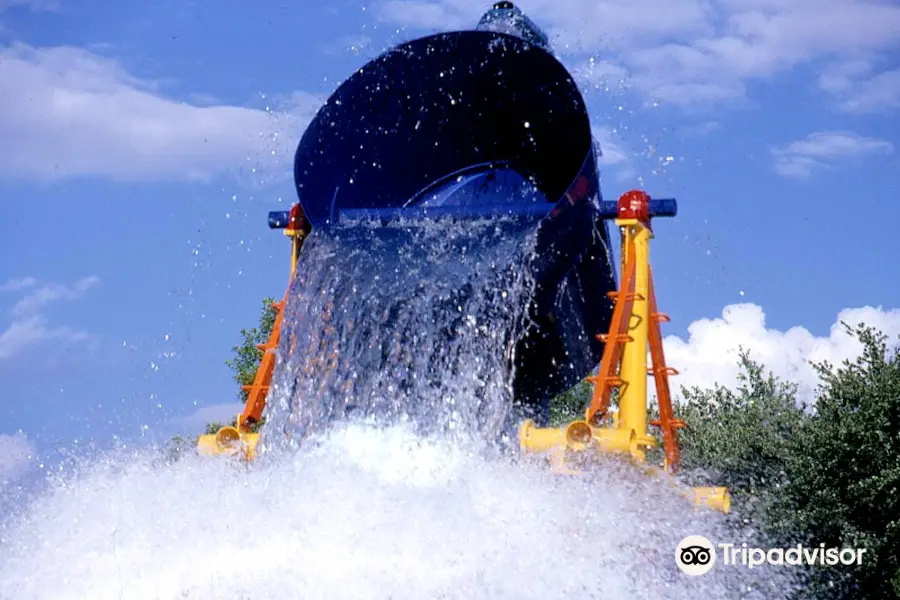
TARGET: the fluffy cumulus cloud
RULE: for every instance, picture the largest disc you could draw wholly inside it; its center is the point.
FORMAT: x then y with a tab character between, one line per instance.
28	324
860	88
31	4
702	51
611	148
823	150
70	112
710	353
16	455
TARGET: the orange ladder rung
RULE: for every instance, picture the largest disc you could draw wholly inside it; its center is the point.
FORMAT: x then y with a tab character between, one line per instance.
619	337
612	380
660	317
676	423
665	371
628	296
250	388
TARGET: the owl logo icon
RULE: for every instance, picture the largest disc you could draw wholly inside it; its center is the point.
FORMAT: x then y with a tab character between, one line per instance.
695	555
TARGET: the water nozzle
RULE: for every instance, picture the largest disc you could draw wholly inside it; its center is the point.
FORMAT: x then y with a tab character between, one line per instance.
228	438
505	17
578	435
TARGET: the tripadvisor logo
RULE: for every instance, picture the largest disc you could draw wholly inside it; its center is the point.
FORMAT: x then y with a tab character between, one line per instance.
696	555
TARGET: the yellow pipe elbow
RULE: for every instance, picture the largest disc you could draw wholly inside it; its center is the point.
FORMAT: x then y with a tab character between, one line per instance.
617	441
716	498
228	441
206	445
250	441
537	439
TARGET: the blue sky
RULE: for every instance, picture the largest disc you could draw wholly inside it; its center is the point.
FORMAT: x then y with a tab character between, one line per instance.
142	144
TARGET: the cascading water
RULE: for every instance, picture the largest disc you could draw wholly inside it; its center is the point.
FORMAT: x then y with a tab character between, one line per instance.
413	323
414	326
406	336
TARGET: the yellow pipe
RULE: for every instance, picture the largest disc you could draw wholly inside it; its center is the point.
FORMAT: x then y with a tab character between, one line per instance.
716	498
633	371
537	439
578	436
618	441
228	441
297	237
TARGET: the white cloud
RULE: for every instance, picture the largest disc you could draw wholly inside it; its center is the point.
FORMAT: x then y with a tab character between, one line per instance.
14	285
16	453
756	39
355	44
600	75
700	129
859	89
29	327
69	112
615	157
34	5
51	292
820	150
709	355
611	146
444	14
701	51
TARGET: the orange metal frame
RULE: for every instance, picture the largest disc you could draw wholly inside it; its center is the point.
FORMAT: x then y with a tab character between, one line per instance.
258	391
604	382
608	378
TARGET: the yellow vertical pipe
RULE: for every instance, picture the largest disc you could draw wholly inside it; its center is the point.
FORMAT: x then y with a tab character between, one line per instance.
633	370
296	236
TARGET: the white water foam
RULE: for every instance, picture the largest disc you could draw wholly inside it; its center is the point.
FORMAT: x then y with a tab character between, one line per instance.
366	514
415	322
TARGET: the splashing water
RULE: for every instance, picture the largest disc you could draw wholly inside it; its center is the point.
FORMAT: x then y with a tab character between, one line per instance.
403	323
416	327
368	513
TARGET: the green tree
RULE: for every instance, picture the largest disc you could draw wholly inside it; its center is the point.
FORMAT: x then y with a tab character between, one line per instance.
741	439
571	404
829	476
246	355
244	363
844	486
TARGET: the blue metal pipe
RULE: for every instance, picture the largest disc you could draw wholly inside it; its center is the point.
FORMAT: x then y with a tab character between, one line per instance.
658	207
